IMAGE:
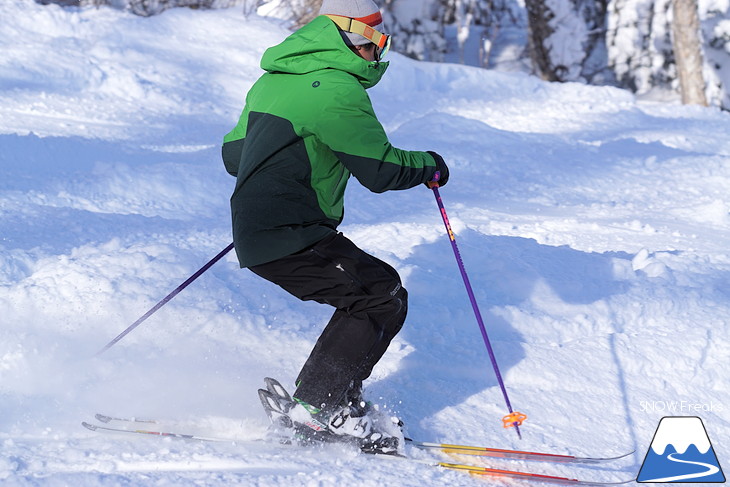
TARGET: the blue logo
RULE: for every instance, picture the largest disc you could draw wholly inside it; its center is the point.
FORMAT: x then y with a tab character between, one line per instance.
681	452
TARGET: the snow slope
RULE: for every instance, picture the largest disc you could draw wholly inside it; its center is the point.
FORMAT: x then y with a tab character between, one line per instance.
595	230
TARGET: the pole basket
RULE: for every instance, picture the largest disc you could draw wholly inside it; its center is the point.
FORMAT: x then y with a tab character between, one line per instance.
514	419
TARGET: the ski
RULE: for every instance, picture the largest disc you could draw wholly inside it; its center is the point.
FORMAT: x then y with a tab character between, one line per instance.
444	447
472	469
109	419
511	454
111	429
535	477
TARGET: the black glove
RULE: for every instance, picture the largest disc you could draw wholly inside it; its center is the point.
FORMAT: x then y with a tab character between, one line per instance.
441	168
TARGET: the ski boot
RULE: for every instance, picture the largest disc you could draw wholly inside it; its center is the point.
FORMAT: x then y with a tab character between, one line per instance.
307	425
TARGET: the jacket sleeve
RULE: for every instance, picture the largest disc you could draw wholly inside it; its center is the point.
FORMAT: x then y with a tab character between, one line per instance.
232	148
349	127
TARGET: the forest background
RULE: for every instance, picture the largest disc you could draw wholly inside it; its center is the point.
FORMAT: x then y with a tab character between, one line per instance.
664	50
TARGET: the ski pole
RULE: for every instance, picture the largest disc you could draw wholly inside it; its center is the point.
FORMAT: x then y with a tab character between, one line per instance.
514	418
167	298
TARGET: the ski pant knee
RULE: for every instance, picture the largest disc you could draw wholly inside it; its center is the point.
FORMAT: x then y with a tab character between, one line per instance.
370	309
394	310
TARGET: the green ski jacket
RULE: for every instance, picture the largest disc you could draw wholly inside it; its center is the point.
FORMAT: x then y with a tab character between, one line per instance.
308	125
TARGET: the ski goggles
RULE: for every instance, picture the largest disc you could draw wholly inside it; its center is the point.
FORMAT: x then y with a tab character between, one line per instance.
357	26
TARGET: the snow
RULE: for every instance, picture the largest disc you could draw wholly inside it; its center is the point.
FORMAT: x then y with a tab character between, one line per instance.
595	229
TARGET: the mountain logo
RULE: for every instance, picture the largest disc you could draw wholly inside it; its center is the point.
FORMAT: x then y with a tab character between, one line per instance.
681	452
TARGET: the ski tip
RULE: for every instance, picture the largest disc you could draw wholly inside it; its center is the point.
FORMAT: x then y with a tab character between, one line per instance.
604	459
88	426
608	484
624	455
103	418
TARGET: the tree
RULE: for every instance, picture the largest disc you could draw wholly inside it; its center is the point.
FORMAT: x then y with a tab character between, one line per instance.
567	39
688	51
639	44
465	15
416	27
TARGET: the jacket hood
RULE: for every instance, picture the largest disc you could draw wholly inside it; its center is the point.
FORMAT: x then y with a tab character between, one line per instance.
316	46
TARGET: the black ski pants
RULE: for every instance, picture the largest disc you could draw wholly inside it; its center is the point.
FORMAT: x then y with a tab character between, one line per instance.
371	306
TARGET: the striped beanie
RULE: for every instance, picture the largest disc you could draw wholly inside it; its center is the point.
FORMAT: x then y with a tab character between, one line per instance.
363	10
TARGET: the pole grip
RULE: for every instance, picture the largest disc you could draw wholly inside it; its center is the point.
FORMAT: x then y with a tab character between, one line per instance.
434	182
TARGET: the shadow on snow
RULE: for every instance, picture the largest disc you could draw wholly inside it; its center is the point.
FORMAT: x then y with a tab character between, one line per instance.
450	362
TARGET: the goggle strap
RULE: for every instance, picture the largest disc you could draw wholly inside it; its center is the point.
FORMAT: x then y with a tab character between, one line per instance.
356	27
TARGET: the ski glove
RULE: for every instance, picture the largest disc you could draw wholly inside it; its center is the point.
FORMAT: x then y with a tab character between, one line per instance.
441	168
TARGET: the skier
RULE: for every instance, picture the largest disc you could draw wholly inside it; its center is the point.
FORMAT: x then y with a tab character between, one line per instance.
307	125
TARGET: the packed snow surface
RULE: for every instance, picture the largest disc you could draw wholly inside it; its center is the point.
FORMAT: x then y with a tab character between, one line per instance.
594	227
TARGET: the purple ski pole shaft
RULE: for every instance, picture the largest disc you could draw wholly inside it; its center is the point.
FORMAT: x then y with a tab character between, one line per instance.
473	301
167	298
